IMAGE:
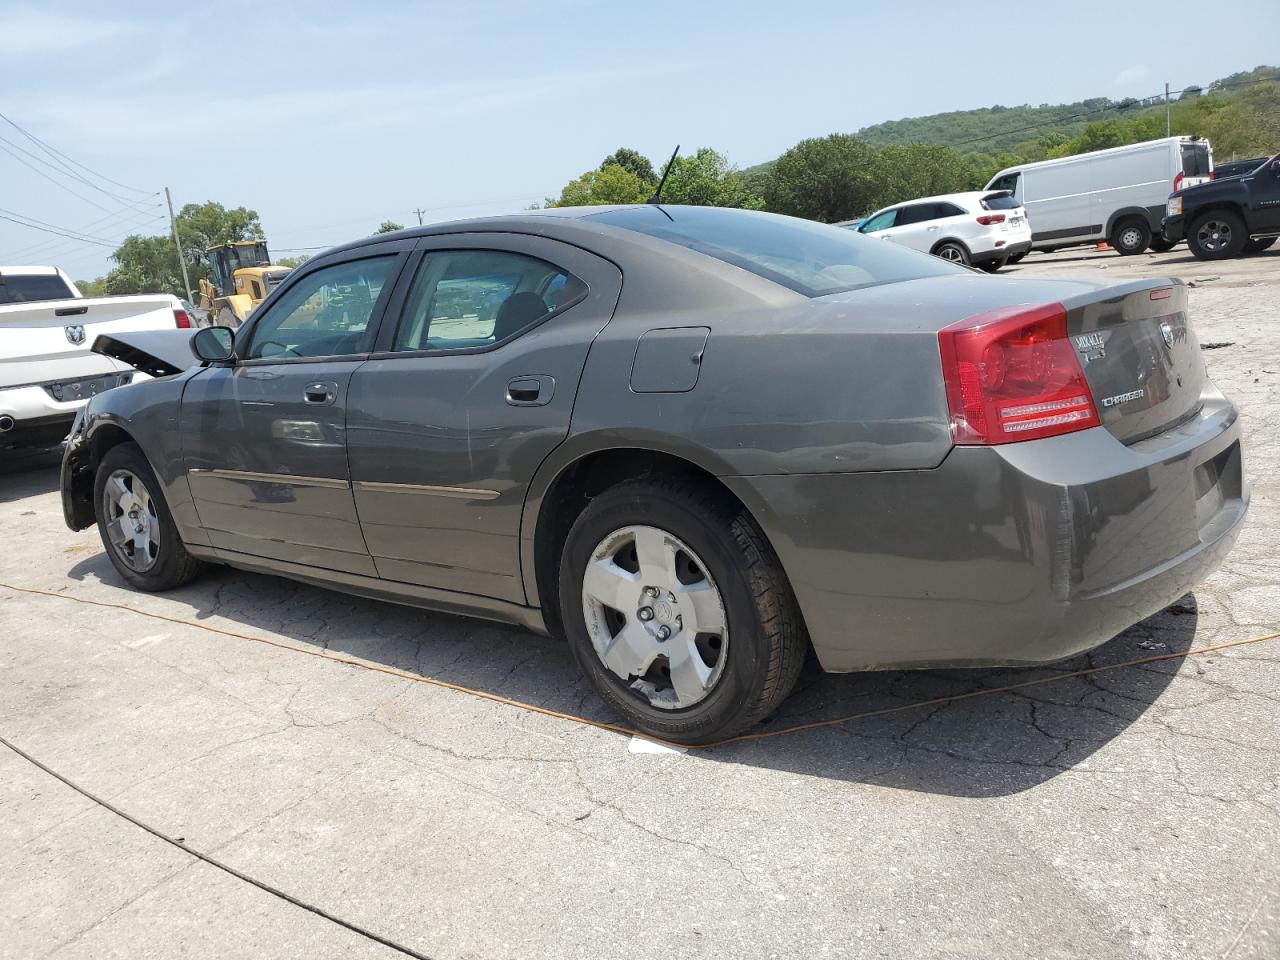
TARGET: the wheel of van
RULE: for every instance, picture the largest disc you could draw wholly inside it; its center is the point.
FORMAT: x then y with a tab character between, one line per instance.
1217	235
1260	244
136	527
1131	236
677	610
1161	245
955	252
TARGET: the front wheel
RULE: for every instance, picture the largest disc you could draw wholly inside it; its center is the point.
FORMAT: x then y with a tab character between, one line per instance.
678	611
1217	235
1131	237
1260	244
136	527
954	252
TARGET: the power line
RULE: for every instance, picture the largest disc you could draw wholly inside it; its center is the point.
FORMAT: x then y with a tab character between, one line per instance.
104	243
70	173
114	219
53	151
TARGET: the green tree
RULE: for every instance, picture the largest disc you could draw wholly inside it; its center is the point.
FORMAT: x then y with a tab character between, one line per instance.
144	265
389	226
610	184
922	170
828	178
707	179
632	160
202	225
292	262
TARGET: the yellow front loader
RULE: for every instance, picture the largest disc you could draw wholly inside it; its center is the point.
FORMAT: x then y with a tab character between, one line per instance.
243	275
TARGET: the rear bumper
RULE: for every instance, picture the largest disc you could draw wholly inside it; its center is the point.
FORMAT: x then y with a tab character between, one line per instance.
37	416
1019	554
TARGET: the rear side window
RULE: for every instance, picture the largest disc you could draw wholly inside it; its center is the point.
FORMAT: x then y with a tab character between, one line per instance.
948	209
1195	159
813	259
917	213
32	289
475	298
999	201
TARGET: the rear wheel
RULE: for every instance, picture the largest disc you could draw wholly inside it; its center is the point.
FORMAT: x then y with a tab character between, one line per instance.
1161	245
1260	244
134	522
1217	235
1017	258
1131	236
955	252
678	611
992	266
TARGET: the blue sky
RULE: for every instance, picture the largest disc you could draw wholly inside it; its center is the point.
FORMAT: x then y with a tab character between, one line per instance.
328	118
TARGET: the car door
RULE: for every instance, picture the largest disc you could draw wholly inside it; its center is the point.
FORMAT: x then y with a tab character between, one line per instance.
264	439
1264	191
880	222
464	397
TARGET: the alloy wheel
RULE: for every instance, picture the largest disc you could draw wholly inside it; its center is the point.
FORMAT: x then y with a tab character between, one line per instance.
951	253
1214	235
655	616
132	524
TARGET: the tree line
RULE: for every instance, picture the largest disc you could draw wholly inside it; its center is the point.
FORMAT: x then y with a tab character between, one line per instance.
832	178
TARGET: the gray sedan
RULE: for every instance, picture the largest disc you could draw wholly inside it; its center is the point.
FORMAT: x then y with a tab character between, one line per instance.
697	442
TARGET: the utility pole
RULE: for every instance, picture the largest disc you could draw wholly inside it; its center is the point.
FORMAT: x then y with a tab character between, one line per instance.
419	213
1166	109
182	261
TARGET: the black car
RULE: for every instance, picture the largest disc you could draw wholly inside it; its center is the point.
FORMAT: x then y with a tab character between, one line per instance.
1228	217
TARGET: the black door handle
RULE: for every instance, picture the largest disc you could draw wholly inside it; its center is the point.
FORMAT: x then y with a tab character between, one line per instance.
319	393
532	391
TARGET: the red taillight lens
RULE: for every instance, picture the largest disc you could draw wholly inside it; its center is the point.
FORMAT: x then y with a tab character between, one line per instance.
181	319
1011	374
988	219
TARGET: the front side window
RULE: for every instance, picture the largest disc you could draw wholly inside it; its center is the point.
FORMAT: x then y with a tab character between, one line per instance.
325	314
881	221
475	298
1008	182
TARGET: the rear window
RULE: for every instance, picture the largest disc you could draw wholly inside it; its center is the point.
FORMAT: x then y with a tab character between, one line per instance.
32	289
813	259
1195	159
999	201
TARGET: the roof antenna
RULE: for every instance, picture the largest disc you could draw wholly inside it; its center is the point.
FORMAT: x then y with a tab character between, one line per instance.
657	194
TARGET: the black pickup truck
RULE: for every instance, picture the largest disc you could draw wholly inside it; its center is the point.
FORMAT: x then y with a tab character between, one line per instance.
1230	216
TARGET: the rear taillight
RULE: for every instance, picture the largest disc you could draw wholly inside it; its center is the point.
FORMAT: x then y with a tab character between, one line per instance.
1011	374
181	318
989	218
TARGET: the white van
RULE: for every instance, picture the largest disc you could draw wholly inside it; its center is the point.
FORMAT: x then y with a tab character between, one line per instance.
1117	195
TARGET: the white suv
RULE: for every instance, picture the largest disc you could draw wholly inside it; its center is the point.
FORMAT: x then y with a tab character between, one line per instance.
985	228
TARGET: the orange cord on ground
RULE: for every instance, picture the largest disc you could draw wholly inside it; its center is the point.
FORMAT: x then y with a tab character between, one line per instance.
618	728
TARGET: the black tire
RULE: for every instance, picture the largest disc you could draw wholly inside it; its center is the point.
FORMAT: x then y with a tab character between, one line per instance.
765	637
1161	245
1017	258
1217	235
953	251
171	566
1130	236
1260	244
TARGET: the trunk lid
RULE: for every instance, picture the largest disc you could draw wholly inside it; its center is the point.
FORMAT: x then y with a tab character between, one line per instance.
1140	356
51	340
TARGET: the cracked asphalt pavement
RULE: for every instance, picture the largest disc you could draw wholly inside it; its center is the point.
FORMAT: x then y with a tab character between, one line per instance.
1133	812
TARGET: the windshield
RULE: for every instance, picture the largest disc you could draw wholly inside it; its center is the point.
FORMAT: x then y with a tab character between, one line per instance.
810	258
33	288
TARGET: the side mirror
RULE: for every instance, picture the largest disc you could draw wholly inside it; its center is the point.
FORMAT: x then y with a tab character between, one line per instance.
213	344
